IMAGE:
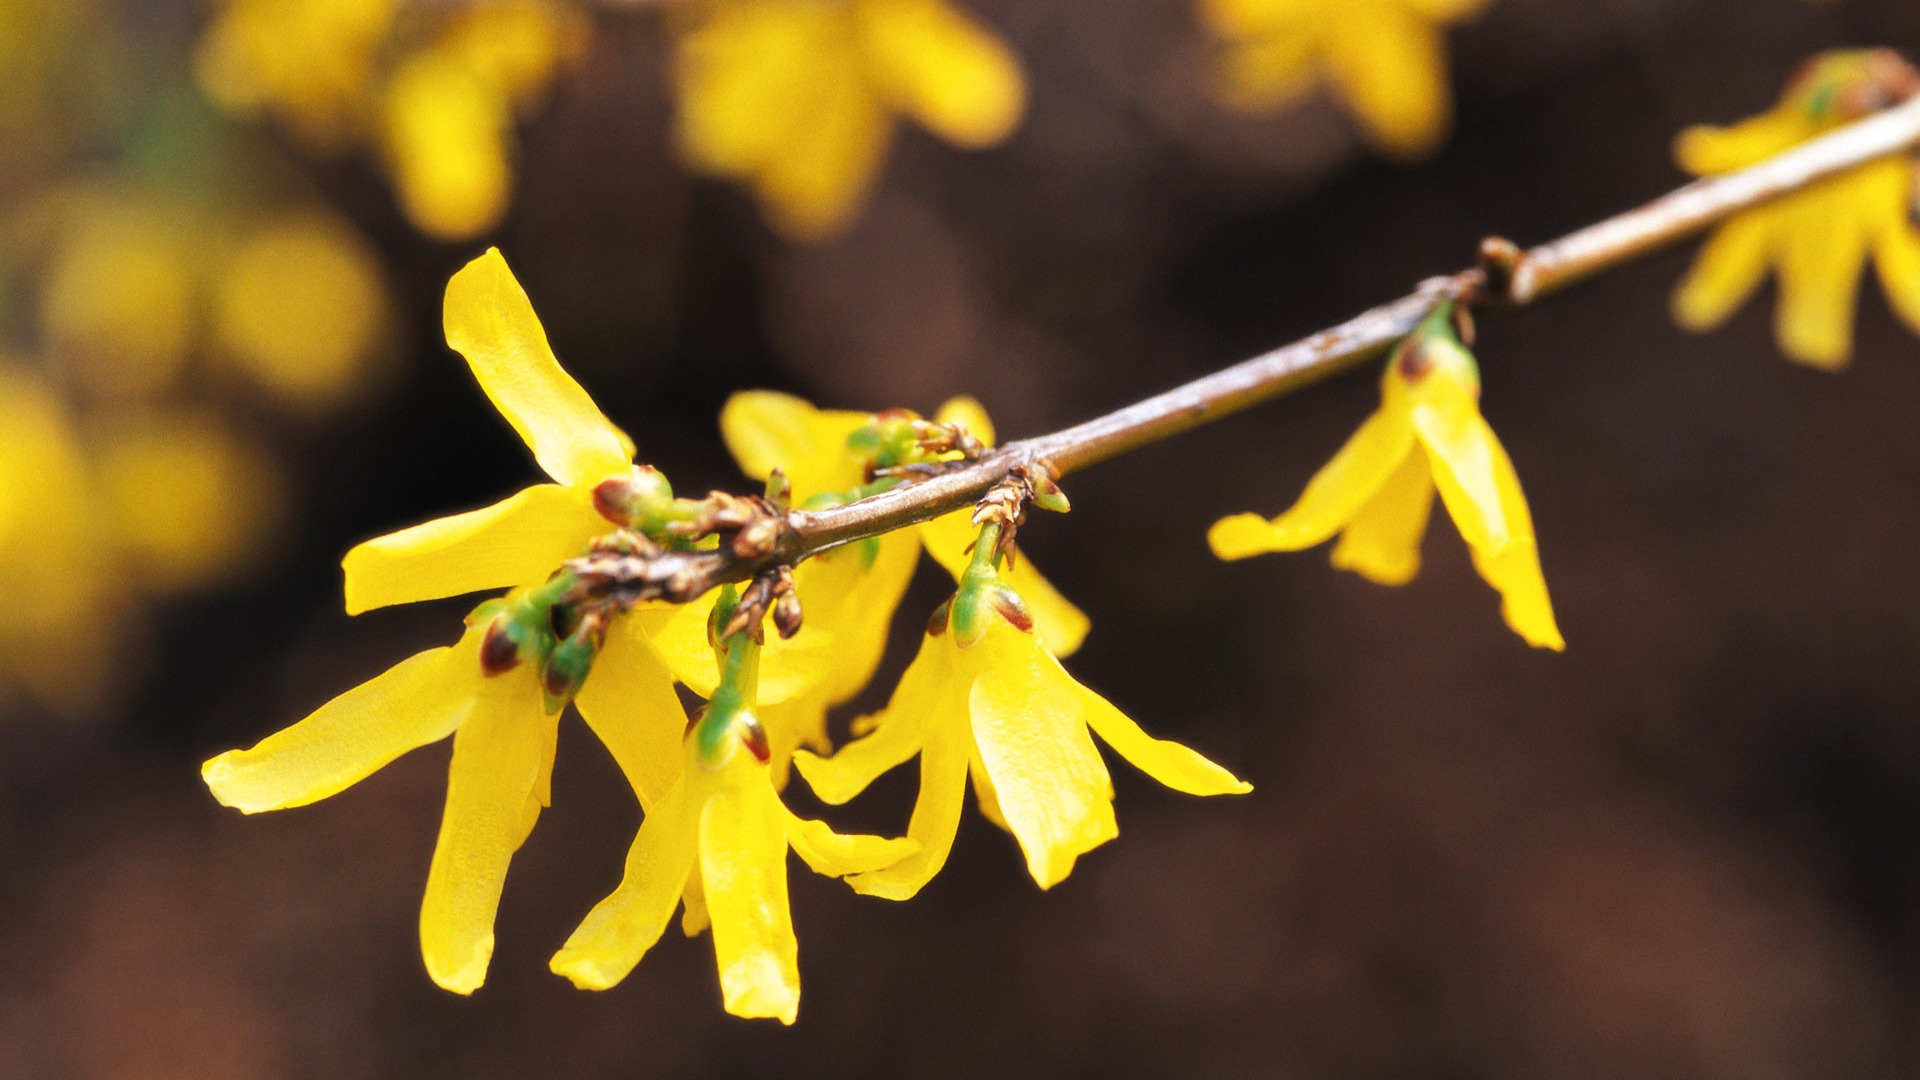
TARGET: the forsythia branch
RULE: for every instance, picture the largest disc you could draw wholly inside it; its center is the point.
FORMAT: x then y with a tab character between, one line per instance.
1506	277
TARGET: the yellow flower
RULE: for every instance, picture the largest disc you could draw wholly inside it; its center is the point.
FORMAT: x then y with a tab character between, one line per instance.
439	104
985	695
503	742
499	713
848	594
1817	240
796	97
725	821
1378	490
1384	59
55	564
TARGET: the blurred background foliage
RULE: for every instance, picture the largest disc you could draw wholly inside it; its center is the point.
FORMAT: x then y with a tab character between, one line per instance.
1687	847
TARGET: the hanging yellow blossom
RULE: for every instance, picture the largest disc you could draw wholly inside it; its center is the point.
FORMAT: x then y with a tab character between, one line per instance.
1378	490
796	98
985	695
1816	240
1385	60
721	826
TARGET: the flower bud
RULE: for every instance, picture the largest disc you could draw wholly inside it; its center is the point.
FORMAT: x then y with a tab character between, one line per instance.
633	500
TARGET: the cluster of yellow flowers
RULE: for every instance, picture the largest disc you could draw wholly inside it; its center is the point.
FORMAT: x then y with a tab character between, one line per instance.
434	94
140	298
986	696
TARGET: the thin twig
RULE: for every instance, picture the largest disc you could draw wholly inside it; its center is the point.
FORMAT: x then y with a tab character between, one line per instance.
1507	278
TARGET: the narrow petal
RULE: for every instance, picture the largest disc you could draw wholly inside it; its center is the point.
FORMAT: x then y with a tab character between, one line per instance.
1704	150
694	918
1821	260
854	601
837	854
1178	767
498	755
1391	67
1461	449
621	928
1063	626
791	724
1028	722
928	694
1515	570
490	322
983	792
1332	498
745	78
630	703
936	815
944	69
518	541
1729	267
1382	542
420	700
767	430
743	868
1896	257
446	132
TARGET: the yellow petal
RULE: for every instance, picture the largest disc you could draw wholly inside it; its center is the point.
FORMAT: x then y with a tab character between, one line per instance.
854	602
1335	494
1704	150
1391	67
518	541
791	724
746	77
928	695
1178	767
1482	493
420	700
968	413
490	321
1247	18
743	869
984	795
1445	11
836	854
936	814
300	307
1730	266
1062	625
630	703
788	667
812	186
621	928
694	918
1382	542
1821	260
1028	722
499	754
1265	72
767	430
942	68
446	133
1896	255
1461	450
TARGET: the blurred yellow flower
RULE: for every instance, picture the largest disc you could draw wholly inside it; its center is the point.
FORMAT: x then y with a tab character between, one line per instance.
119	304
1384	59
1378	490
720	838
993	699
298	307
436	96
1816	240
58	625
796	97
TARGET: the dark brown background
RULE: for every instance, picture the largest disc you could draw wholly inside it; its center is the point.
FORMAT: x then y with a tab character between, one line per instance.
1689	847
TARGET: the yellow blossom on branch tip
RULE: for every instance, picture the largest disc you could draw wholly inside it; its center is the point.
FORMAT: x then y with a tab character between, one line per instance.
1003	707
522	539
1385	60
1816	240
720	835
796	97
1377	492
